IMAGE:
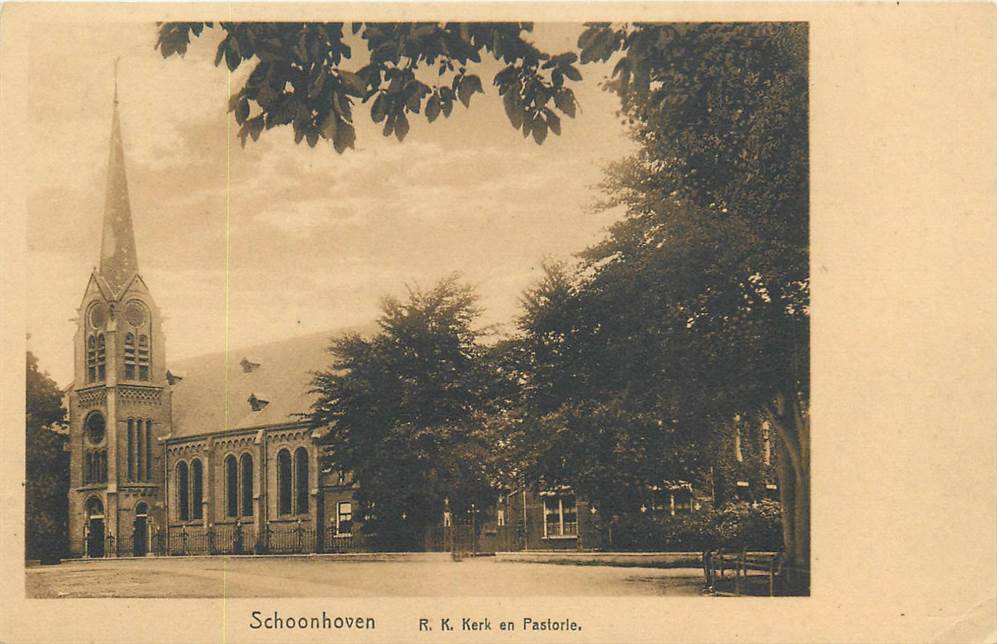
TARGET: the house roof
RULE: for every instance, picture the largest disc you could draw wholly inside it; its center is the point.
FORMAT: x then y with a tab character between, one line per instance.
213	394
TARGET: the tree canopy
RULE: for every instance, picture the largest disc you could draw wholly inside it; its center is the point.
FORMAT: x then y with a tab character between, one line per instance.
46	467
403	410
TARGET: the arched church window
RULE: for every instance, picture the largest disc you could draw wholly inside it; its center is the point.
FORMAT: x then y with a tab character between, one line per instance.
246	464
130	356
91	359
143	357
148	449
231	487
183	496
197	488
140	450
100	466
284	481
301	480
132	449
101	358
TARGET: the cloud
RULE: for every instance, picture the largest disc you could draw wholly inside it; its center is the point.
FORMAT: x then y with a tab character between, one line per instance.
277	238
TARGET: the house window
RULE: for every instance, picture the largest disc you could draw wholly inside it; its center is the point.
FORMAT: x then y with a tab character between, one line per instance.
301	480
344	518
560	516
183	494
246	465
681	501
344	477
284	482
231	487
196	488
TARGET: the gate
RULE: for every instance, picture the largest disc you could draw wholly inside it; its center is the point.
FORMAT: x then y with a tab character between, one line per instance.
473	533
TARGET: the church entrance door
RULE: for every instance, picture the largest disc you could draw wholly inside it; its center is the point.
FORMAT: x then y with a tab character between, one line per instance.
95	537
140	531
94	515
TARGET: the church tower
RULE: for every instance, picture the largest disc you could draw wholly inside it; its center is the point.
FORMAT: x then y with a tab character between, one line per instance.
119	403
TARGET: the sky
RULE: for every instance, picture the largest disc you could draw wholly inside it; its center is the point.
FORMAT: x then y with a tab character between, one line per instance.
241	246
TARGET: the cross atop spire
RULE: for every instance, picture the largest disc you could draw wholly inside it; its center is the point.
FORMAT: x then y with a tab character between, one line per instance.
118	259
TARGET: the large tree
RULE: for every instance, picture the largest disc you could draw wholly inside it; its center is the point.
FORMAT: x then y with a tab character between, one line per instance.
712	258
402	411
46	466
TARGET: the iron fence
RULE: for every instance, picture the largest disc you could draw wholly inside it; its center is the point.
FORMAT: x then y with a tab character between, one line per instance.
335	542
289	538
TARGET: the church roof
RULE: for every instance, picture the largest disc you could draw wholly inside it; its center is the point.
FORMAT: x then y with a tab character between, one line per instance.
118	259
214	392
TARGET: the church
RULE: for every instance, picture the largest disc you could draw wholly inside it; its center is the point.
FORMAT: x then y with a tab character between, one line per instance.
205	455
213	455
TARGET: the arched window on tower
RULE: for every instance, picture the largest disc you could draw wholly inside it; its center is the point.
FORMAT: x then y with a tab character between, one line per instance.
130	359
132	449
231	487
140	450
148	449
101	358
301	480
183	496
246	465
284	482
196	488
143	357
91	359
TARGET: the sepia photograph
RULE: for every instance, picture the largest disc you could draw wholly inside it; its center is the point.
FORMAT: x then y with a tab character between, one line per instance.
434	308
516	322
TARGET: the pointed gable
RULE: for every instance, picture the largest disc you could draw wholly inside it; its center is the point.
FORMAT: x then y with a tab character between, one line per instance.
118	259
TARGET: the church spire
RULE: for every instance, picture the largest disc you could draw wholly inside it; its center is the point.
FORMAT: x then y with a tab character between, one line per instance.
118	259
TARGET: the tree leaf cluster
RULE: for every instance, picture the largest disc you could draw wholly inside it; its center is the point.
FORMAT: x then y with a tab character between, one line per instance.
299	75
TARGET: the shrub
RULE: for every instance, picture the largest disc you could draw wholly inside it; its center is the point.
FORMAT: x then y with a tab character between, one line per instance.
750	526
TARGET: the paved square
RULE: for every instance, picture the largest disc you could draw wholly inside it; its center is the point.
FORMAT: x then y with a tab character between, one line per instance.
335	577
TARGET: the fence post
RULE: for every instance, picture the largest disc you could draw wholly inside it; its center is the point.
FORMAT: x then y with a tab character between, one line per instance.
474	533
772	567
237	538
738	571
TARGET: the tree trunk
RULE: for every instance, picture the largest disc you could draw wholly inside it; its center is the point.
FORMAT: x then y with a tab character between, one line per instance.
792	424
